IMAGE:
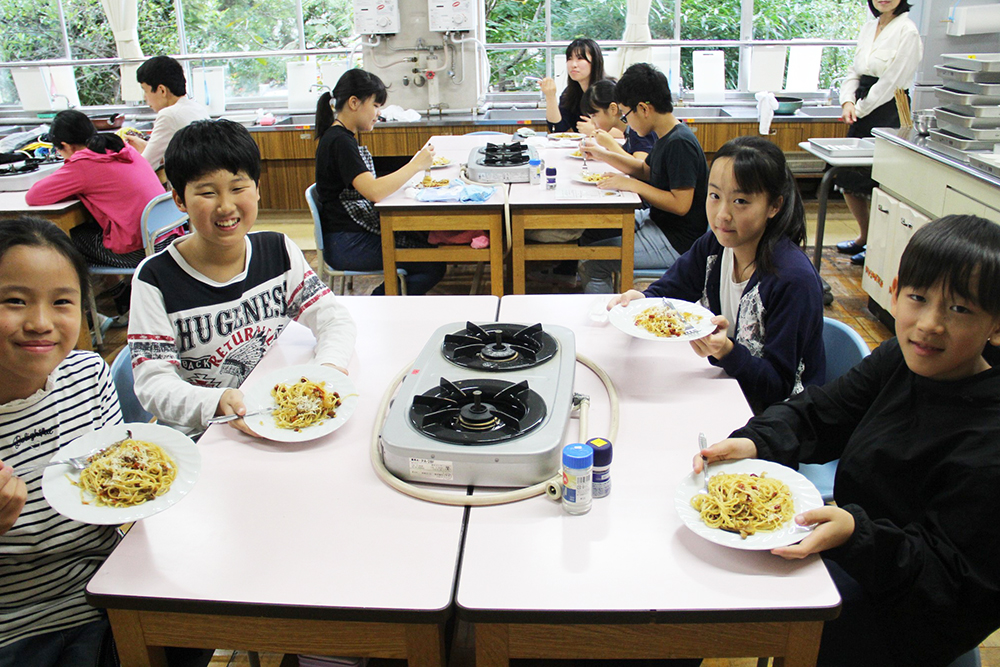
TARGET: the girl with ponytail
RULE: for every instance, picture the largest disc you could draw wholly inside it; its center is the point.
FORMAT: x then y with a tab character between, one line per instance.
114	183
749	269
347	186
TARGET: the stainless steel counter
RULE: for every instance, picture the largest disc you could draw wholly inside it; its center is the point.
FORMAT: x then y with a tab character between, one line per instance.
909	138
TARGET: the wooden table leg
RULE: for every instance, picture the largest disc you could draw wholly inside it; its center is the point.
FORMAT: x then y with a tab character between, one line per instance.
803	646
496	256
389	255
492	645
425	645
628	249
517	251
132	649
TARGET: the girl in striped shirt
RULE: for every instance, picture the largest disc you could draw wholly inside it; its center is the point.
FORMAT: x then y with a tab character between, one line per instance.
50	395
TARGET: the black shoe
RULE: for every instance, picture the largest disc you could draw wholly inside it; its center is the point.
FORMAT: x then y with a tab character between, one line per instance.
849	247
827	293
859	259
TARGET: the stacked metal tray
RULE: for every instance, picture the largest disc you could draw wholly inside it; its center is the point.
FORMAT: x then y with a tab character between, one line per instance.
969	118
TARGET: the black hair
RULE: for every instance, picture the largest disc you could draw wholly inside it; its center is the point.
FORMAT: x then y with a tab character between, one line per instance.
642	82
904	6
599	96
37	233
73	127
162	70
207	146
353	83
589	50
759	166
962	253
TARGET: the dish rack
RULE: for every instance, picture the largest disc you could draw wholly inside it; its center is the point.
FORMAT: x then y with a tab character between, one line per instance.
968	120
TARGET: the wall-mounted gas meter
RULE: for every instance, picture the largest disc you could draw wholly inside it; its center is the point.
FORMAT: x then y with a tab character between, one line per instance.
376	17
451	15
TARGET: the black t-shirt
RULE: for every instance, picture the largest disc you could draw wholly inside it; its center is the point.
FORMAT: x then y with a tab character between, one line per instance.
677	163
338	162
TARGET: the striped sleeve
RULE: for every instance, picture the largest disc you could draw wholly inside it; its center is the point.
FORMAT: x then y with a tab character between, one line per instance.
46	559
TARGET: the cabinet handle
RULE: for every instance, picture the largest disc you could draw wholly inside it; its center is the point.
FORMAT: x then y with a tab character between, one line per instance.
882	210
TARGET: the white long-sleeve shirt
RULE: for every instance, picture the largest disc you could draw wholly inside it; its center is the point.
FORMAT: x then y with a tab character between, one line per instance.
192	337
180	114
892	57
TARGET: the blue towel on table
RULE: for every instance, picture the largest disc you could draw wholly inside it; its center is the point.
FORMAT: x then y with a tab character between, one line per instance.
457	191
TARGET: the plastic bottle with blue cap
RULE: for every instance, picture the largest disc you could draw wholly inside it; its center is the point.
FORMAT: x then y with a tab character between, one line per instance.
578	464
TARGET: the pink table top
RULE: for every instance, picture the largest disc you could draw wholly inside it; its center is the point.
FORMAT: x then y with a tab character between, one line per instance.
304	526
557	154
456	148
631	553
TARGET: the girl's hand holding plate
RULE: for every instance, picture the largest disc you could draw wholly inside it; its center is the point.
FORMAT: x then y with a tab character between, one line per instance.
624	298
717	344
832	527
13	495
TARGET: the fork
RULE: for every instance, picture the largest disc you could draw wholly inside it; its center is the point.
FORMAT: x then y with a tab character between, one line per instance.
230	418
583	153
702	444
688	327
76	462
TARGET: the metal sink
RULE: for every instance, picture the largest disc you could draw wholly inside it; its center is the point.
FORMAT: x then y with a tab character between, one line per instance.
821	112
514	114
297	119
700	112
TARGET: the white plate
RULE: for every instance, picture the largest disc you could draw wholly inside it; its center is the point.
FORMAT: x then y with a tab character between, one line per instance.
575	157
65	498
580	179
804	494
258	396
565	136
443	165
623	318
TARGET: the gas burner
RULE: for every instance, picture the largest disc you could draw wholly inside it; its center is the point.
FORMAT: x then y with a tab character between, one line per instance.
18	168
499	347
477	412
503	155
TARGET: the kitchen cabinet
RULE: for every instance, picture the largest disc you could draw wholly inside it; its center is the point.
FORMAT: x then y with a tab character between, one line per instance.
916	185
890	226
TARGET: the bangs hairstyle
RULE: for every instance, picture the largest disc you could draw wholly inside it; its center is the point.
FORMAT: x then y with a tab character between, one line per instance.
37	233
759	166
904	6
353	83
589	50
207	146
599	97
962	253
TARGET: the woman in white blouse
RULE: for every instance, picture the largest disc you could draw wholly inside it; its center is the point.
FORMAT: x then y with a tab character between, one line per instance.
889	50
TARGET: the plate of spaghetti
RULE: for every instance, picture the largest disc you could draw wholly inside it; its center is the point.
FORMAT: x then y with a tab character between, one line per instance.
300	403
134	471
652	319
750	504
440	162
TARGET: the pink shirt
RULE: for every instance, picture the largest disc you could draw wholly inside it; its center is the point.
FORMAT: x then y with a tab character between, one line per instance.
115	188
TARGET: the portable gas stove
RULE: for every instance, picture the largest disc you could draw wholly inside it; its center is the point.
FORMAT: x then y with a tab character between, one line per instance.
22	175
501	163
484	404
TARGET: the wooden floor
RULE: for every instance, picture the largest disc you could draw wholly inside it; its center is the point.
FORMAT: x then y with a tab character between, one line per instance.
849	306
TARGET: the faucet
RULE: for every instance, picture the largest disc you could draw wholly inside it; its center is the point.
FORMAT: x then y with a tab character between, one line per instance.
320	87
69	105
834	93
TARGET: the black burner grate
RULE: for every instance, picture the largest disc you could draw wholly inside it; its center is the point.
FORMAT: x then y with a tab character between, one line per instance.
477	412
499	347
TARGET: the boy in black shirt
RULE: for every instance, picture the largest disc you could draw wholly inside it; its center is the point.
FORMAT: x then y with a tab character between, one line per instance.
673	179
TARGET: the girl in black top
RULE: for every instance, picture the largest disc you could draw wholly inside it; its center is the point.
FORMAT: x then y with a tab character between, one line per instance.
347	187
584	66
